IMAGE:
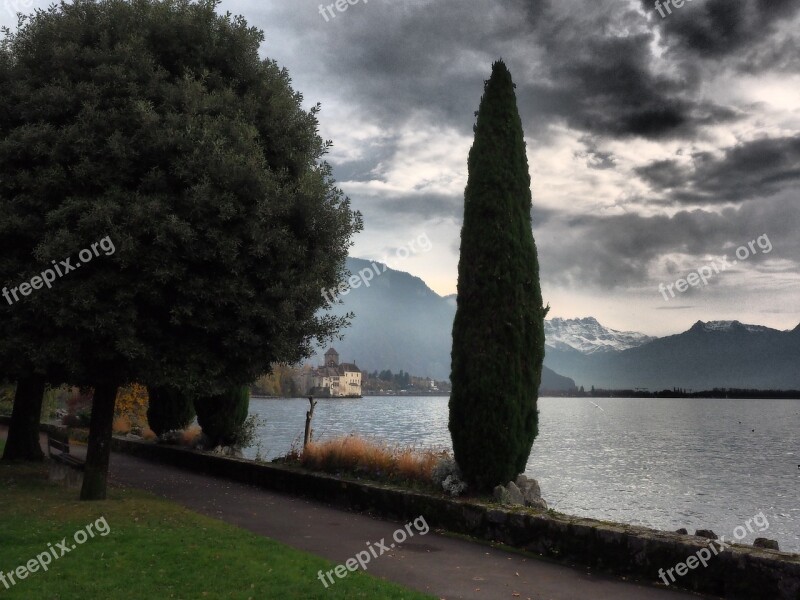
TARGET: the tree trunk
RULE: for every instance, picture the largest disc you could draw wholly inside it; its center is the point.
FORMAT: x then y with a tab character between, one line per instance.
309	416
99	450
23	433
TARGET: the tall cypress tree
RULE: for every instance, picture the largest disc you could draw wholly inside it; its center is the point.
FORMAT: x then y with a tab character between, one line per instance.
498	333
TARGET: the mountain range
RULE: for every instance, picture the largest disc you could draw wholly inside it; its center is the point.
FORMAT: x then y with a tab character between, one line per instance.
400	323
714	354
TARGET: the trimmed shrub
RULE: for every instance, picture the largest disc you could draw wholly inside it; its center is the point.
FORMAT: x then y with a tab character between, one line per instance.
169	410
222	416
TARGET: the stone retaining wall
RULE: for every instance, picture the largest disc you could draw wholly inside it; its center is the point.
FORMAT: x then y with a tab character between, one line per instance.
623	550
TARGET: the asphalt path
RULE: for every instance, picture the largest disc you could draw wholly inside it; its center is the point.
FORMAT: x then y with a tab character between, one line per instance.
443	566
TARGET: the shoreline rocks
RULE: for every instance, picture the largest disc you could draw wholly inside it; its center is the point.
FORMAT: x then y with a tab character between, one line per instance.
766	543
522	492
706	533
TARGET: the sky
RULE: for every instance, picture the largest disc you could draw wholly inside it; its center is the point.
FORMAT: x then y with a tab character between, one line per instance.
658	146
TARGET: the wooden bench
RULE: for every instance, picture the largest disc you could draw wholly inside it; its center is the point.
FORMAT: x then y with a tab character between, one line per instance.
65	467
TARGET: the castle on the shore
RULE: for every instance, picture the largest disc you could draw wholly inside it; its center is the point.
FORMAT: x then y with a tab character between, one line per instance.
334	379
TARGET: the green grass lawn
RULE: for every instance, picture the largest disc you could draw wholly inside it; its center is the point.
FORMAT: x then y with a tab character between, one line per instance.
152	549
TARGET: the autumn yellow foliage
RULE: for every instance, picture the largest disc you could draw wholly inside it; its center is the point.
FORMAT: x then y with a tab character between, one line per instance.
279	382
131	407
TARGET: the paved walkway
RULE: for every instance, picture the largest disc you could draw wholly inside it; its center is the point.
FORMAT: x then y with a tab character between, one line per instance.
439	565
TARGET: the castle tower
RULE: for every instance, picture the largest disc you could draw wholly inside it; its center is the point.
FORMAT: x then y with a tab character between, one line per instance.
332	358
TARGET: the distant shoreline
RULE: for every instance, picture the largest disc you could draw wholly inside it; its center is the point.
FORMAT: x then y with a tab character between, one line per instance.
369	395
729	394
708	395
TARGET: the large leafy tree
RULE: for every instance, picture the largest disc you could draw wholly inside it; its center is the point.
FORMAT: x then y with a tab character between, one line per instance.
498	333
154	125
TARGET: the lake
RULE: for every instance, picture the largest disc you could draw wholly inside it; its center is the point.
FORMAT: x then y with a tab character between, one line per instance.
661	463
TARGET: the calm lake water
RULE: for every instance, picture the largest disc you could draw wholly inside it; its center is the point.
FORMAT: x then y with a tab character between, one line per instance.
661	463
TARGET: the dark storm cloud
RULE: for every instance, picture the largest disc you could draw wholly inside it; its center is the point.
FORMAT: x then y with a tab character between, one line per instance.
398	59
756	169
383	210
592	65
363	168
569	59
594	157
424	206
663	174
607	84
541	216
620	251
779	55
716	28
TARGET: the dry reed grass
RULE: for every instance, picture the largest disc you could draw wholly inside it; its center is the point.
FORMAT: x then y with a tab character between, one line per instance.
122	424
359	455
190	436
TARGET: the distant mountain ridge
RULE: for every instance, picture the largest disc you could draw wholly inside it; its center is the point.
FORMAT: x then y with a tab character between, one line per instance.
713	354
730	326
401	323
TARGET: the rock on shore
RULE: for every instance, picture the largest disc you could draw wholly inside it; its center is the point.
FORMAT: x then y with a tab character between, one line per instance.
523	492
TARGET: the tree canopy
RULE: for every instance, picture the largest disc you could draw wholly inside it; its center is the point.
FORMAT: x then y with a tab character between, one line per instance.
156	125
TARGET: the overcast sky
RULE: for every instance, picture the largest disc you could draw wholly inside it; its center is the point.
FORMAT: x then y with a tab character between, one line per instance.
657	146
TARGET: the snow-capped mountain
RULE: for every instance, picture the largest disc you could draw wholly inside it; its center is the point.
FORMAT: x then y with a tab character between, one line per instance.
587	336
729	326
724	354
